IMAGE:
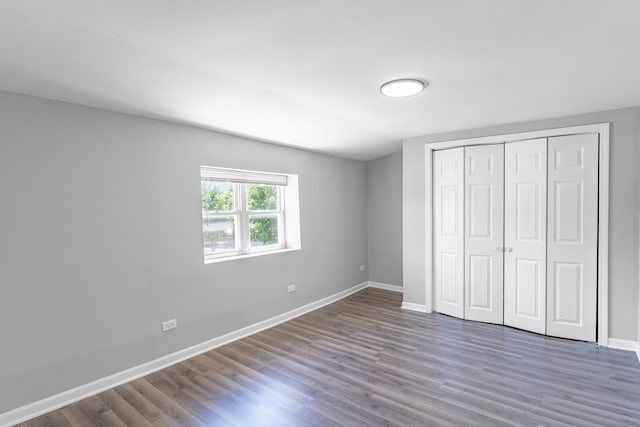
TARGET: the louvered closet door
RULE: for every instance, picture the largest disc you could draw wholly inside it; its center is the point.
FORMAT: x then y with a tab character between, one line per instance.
525	235
448	231
572	236
484	185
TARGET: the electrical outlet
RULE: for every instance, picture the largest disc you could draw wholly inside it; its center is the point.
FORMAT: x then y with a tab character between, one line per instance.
362	267
291	288
169	324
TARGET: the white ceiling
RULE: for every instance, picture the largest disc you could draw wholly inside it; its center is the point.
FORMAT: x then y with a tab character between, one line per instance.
307	73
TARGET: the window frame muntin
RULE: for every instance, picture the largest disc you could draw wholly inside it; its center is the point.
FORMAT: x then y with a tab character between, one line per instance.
242	231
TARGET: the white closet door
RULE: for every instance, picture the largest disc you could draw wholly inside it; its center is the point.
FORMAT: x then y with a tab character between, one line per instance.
484	199
448	231
572	237
525	235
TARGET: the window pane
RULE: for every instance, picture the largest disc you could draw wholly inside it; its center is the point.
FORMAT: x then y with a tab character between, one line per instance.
264	230
217	196
219	234
262	197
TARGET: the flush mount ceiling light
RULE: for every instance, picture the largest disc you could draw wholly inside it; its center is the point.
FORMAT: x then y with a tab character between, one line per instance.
402	88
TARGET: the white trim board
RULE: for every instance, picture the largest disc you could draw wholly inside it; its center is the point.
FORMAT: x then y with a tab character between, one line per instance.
385	286
67	397
421	308
625	345
602	129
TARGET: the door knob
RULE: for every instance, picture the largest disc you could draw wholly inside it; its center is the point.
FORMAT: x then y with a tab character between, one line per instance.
500	249
509	249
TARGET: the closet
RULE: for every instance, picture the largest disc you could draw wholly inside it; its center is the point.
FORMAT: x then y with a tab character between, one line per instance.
515	229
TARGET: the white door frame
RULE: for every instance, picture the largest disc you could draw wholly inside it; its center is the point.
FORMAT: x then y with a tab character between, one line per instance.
602	129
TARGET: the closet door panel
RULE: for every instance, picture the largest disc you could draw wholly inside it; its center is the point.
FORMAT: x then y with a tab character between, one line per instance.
572	237
448	231
525	235
480	276
483	276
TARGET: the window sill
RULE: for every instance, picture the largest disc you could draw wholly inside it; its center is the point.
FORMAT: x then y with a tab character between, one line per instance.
249	255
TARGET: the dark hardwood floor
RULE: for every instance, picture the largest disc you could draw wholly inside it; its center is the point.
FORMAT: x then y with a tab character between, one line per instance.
364	361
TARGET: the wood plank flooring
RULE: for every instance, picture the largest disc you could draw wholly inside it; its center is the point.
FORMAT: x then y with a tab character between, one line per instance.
363	361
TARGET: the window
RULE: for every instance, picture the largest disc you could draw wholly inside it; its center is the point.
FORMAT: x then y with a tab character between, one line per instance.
244	213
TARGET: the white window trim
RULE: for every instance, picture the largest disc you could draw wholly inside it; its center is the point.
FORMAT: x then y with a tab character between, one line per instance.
243	176
248	255
288	212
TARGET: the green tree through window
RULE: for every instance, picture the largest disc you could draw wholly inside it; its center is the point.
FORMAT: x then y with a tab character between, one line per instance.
217	196
263	229
263	197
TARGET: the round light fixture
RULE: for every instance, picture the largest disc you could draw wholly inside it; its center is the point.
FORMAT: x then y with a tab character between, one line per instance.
402	88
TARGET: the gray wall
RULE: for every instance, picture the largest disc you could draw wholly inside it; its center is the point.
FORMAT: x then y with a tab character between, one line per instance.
384	219
623	210
638	213
100	242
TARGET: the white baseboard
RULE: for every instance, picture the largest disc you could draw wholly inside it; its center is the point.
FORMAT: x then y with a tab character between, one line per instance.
385	286
414	307
67	397
625	345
